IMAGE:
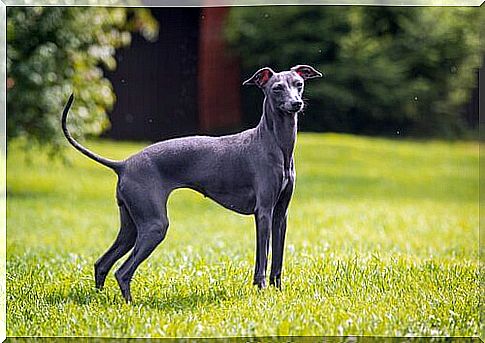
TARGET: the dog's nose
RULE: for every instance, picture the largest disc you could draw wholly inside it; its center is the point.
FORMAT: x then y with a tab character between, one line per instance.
296	105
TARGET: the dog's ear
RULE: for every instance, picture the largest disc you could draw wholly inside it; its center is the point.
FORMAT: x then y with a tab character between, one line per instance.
306	71
260	78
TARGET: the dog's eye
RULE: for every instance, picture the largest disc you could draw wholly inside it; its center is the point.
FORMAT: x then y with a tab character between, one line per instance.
278	88
298	85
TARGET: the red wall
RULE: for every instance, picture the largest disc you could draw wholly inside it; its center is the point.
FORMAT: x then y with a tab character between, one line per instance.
219	75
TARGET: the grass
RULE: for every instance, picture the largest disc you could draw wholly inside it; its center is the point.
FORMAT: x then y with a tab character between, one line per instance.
382	240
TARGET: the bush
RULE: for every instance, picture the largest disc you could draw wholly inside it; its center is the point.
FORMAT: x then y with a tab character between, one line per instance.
387	70
53	51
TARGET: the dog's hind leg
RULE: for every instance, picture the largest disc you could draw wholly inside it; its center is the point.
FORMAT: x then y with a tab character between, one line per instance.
150	216
123	243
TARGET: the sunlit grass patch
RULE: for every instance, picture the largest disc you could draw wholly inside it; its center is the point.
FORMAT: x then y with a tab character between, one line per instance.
382	240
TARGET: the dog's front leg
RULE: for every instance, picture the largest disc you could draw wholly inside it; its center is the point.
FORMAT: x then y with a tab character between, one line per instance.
278	243
263	230
278	234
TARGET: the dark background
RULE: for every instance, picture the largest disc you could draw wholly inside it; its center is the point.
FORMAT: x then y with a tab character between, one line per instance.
156	83
189	82
156	73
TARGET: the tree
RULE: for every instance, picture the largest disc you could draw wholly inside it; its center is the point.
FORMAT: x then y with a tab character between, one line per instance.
387	70
53	51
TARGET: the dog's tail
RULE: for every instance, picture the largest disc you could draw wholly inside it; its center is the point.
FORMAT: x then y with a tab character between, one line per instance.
115	165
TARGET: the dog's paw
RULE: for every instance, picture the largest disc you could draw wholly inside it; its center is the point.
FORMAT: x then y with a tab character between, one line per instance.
275	282
261	283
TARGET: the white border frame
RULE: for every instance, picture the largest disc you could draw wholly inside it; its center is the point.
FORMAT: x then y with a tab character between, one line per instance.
155	3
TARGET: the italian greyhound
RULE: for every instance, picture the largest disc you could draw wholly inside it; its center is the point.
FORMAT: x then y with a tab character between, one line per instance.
251	172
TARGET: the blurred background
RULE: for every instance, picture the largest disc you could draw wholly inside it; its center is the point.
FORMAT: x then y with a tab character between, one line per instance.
152	74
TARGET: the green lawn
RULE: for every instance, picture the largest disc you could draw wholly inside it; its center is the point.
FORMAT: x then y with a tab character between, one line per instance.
382	240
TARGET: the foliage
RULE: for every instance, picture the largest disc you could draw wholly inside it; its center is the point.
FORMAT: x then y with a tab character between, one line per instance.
53	51
382	240
388	69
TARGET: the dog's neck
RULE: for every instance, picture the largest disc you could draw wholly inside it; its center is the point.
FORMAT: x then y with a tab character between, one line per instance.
279	126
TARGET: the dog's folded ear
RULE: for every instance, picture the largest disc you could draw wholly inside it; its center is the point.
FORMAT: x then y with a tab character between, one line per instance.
260	78
306	71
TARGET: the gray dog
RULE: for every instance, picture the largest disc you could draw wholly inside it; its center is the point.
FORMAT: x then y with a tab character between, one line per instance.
251	172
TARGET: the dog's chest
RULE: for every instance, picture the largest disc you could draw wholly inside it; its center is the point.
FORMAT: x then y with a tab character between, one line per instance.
288	174
282	170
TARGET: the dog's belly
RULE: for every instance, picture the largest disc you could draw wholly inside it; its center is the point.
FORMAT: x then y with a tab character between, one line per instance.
242	200
243	204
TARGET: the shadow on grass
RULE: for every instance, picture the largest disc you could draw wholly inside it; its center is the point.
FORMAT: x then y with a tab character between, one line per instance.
85	294
174	301
30	195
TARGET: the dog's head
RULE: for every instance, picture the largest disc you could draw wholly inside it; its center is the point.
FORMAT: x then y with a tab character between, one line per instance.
284	90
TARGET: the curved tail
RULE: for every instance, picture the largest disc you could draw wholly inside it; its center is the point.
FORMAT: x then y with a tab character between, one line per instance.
115	165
